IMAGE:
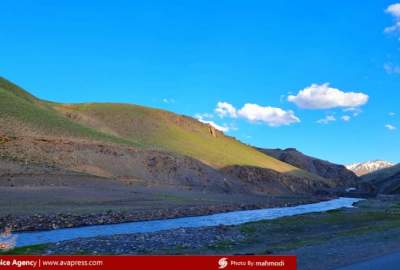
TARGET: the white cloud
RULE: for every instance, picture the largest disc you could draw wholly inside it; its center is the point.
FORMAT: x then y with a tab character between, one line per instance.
224	109
168	100
271	116
393	28
215	125
346	118
391	69
390	127
327	120
322	96
394	11
392	114
212	123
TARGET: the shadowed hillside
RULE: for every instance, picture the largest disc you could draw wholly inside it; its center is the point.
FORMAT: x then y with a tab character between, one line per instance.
386	180
326	169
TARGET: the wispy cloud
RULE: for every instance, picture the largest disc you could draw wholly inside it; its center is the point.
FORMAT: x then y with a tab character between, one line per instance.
355	111
168	100
225	109
346	118
394	11
323	96
204	116
390	127
392	114
391	68
327	120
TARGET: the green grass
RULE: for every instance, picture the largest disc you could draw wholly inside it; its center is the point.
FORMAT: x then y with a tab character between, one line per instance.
173	198
312	229
248	230
28	250
223	245
374	226
157	129
131	125
31	114
296	243
16	90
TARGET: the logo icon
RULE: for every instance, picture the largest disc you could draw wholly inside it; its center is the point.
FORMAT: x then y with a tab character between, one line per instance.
223	263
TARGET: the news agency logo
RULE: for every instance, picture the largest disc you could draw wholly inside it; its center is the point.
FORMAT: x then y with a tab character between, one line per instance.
223	263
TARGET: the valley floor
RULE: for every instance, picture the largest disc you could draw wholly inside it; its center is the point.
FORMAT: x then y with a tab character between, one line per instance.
65	201
43	198
321	241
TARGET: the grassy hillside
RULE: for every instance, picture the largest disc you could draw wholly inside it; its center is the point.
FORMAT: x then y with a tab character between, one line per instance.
21	111
159	129
128	124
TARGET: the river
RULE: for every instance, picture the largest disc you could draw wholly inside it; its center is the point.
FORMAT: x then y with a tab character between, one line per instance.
229	218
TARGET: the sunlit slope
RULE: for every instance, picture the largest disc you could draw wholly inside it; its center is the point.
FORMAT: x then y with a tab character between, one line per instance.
163	130
22	113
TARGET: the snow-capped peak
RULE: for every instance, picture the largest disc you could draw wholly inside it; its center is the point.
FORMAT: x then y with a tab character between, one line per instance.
369	166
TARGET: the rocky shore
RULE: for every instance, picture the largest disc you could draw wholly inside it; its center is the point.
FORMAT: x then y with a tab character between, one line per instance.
166	242
336	238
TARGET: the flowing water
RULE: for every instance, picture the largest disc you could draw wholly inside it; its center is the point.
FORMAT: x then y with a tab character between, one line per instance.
229	218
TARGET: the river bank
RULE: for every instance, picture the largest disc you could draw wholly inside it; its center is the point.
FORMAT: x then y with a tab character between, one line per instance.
337	238
105	202
229	218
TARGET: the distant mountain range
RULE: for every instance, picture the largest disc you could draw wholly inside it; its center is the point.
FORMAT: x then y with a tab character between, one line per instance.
386	181
364	168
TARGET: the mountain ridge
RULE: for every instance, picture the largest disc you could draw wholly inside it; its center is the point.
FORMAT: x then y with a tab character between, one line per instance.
325	169
386	180
363	168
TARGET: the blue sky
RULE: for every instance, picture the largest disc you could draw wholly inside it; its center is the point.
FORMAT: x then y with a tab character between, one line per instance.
187	56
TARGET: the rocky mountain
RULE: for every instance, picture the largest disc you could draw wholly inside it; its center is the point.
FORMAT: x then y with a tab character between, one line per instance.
337	173
138	144
386	181
364	168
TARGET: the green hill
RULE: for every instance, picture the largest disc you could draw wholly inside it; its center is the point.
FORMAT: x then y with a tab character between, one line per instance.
20	112
163	130
147	128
